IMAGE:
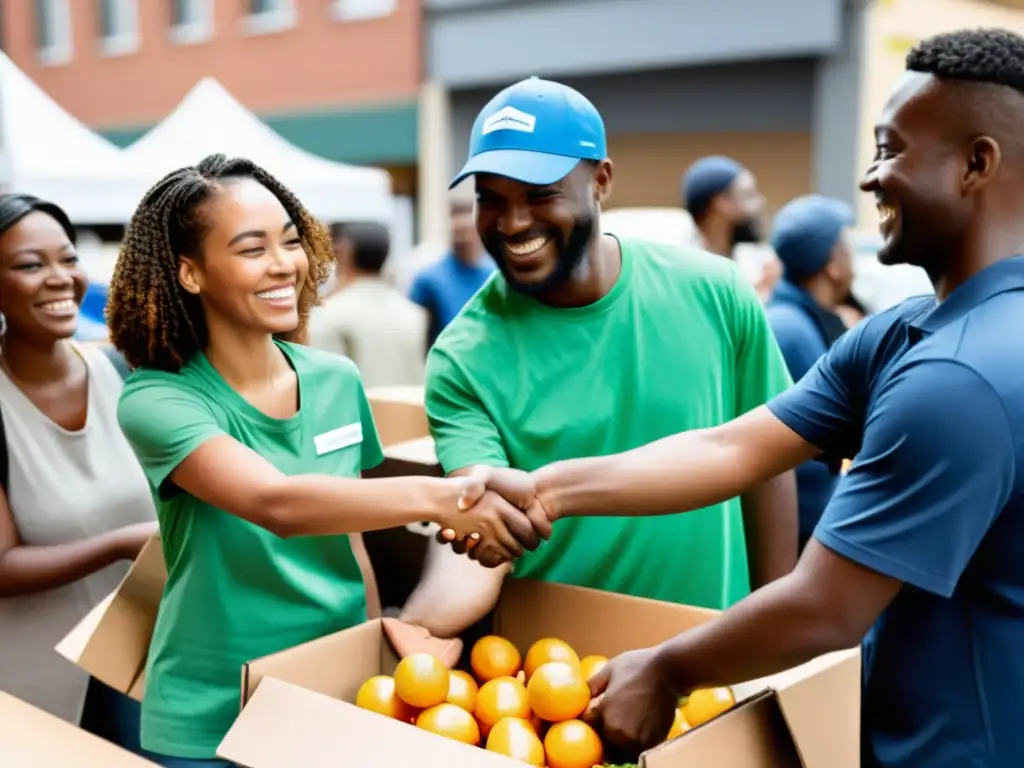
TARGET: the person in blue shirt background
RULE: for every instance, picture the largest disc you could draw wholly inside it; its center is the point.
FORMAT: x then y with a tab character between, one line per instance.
920	551
443	288
809	235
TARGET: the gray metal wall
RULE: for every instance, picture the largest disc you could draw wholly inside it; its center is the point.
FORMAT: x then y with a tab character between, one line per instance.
477	42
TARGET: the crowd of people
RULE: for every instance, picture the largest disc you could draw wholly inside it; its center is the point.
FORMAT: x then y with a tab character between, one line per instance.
610	412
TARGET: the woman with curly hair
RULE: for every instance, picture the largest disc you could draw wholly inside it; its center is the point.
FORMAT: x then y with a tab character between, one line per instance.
251	443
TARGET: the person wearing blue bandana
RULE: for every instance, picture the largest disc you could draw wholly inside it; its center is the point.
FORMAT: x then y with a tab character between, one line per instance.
810	238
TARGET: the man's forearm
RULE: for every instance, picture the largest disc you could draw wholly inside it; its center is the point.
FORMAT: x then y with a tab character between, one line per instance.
771	530
778	627
687	471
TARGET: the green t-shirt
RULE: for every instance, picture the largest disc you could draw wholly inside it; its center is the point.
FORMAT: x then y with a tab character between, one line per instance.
236	592
679	343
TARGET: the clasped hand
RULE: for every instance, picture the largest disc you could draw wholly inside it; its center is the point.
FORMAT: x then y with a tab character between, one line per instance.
500	516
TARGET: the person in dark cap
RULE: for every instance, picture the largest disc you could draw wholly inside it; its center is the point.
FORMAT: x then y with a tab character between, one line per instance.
725	203
722	197
809	237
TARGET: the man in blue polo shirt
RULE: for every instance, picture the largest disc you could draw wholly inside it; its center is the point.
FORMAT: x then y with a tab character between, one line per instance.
809	235
921	548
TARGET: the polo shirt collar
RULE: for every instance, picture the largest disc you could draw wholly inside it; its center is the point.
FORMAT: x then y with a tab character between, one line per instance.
1003	276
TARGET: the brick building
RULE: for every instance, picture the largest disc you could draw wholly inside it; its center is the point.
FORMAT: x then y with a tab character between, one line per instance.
339	78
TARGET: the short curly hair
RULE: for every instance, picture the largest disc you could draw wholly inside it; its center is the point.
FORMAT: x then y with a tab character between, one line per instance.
153	321
993	56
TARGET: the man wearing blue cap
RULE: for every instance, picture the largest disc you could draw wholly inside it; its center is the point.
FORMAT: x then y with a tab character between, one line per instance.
810	238
584	345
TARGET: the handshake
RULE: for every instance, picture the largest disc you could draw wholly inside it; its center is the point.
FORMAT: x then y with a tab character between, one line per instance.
499	515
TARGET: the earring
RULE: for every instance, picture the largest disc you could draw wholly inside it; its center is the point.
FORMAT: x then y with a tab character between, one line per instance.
3	324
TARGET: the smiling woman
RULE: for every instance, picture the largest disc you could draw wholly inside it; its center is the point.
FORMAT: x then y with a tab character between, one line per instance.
252	445
74	505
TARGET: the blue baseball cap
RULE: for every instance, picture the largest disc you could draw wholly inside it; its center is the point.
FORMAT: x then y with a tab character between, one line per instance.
536	132
805	231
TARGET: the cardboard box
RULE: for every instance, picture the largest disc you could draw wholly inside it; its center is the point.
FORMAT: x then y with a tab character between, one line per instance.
112	641
32	738
296	711
398	413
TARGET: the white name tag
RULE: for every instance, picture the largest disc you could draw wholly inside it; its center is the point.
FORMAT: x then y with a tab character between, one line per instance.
339	438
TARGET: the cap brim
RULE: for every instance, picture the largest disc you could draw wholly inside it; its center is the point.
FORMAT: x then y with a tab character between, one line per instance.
537	168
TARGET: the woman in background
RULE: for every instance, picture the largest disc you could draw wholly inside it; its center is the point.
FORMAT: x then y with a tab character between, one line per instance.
75	508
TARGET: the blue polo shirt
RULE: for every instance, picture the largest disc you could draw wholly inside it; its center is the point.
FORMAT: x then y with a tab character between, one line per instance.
805	331
929	400
445	287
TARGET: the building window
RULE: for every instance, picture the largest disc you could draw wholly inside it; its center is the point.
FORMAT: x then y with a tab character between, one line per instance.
119	27
267	16
362	10
191	21
53	31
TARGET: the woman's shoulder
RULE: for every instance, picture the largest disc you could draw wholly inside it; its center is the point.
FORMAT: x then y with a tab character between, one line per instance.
152	385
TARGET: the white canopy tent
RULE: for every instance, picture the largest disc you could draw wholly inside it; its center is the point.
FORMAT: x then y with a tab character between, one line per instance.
210	120
45	151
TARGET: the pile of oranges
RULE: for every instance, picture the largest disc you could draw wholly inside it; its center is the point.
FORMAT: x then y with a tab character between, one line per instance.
527	708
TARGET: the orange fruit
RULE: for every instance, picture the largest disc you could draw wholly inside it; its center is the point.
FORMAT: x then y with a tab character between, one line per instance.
573	744
516	738
591	665
421	680
548	649
462	690
450	721
494	657
378	695
679	726
704	704
499	698
557	692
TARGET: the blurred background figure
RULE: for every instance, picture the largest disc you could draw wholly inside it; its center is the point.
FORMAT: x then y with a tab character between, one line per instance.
810	236
366	318
726	205
442	289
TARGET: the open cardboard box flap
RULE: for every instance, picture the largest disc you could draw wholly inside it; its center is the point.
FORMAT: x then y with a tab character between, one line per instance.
806	718
112	641
286	725
32	738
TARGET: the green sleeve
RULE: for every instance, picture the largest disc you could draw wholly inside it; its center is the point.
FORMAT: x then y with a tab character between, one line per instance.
164	423
464	433
761	371
372	451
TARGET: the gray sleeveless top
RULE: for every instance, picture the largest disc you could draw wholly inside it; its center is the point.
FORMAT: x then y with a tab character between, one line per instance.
64	486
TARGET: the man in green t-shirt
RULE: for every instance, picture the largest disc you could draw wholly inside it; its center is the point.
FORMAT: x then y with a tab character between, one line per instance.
586	345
